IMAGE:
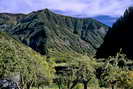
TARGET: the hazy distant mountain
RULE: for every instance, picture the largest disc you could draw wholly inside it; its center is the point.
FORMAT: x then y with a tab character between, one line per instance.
44	30
106	19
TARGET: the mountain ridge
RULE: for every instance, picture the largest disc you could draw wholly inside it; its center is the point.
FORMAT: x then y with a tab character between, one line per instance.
43	30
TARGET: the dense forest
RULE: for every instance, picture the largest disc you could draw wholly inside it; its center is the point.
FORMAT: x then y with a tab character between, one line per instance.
119	37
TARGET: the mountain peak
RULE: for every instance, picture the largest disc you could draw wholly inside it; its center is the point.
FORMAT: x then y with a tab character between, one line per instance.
46	10
43	30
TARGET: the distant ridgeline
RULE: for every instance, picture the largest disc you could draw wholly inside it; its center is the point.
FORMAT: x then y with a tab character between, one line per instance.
120	36
44	30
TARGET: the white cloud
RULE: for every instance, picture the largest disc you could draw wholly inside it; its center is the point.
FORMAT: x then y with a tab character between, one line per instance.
73	7
109	7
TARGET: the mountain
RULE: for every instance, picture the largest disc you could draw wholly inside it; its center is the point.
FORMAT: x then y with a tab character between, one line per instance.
119	37
22	64
45	31
105	19
7	20
108	20
10	48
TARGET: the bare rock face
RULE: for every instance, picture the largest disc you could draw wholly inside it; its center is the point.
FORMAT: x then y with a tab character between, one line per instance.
8	84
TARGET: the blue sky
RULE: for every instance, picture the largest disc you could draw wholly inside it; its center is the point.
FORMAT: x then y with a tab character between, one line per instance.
79	8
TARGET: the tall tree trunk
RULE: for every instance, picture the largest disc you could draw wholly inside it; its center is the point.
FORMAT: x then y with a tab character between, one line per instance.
85	85
59	86
68	84
29	84
113	87
74	84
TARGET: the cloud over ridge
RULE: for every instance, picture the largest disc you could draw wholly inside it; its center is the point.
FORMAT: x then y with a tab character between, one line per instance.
90	8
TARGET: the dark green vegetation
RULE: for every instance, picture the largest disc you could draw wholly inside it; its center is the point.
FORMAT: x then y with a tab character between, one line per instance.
44	30
7	21
119	36
60	38
17	59
47	49
93	74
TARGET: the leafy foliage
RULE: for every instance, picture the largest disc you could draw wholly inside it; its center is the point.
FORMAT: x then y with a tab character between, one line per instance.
18	59
77	71
115	72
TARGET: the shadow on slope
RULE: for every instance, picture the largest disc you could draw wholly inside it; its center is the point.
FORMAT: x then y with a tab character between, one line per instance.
119	37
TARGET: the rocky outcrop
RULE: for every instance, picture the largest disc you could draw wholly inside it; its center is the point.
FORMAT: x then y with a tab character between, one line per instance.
8	84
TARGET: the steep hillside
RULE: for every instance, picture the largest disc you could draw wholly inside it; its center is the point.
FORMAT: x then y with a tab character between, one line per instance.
11	48
16	58
44	30
119	37
7	21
